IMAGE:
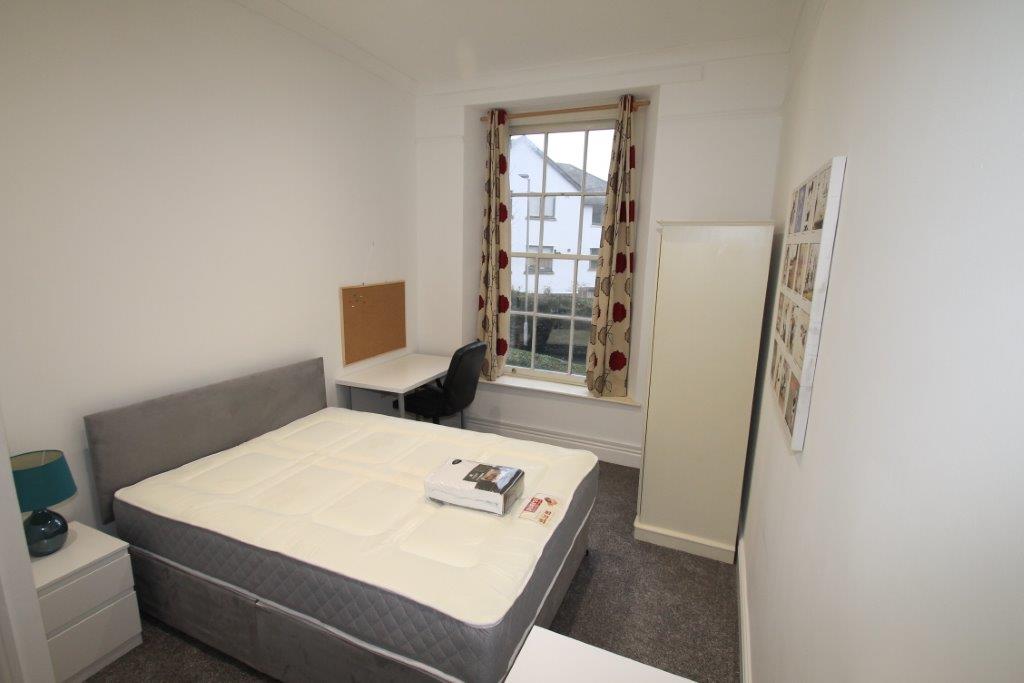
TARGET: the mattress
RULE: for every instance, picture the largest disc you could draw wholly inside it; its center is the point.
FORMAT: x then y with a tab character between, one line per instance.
326	516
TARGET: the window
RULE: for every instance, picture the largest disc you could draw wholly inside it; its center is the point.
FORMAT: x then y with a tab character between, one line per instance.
547	266
555	250
534	204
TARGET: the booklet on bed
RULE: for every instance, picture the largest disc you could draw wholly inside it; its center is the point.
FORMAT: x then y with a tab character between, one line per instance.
491	488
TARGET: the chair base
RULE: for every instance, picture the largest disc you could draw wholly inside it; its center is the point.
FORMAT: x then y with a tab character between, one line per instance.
437	420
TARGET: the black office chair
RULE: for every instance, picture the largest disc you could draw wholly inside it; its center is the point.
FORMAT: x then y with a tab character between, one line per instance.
458	390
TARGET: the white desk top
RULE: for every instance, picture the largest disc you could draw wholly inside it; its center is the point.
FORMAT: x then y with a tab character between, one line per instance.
398	376
549	656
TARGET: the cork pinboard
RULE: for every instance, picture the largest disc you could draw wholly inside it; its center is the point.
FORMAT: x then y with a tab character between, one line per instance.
372	320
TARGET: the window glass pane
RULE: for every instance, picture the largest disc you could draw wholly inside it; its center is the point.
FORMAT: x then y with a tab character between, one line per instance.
565	162
549	207
585	278
555	287
562	228
599	156
546	265
594	210
524	231
580	337
590	239
525	162
520	333
552	344
522	283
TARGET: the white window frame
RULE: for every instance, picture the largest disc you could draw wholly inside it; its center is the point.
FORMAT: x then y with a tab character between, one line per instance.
530	129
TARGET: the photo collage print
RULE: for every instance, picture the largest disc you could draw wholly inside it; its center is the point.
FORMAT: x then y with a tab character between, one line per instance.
799	280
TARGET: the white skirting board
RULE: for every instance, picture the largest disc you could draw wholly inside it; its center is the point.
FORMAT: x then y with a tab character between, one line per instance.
614	452
746	674
695	545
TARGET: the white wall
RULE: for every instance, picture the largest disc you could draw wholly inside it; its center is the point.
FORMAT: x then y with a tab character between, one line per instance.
183	186
24	652
709	153
890	549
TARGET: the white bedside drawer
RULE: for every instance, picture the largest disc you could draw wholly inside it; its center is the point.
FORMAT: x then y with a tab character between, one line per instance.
69	602
82	644
87	602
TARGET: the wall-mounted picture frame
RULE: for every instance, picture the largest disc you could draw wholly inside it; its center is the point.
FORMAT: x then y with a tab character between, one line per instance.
800	296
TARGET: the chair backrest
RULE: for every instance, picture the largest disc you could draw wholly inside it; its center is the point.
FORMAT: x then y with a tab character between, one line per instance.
463	375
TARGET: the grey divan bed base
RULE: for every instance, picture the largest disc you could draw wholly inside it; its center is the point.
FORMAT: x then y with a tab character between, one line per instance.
280	642
242	615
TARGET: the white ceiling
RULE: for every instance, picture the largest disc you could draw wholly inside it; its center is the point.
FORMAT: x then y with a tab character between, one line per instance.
434	41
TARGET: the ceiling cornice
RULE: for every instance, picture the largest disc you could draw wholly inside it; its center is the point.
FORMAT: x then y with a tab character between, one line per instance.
660	60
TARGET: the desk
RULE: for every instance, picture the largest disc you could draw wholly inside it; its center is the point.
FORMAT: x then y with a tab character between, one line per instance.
549	656
398	376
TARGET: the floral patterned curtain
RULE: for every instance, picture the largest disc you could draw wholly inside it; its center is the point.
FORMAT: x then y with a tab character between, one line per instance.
608	349
495	276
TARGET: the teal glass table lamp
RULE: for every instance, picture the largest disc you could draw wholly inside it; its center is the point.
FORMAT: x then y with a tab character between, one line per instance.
43	478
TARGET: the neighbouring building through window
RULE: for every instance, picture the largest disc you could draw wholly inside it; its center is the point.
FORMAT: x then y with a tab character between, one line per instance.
555	250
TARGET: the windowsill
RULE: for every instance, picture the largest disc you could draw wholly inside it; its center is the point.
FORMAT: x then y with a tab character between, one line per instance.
557	388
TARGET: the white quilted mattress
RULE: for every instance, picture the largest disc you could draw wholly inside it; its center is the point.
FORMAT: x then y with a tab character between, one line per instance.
343	490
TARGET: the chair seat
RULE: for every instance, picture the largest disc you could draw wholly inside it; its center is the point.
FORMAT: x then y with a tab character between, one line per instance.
426	401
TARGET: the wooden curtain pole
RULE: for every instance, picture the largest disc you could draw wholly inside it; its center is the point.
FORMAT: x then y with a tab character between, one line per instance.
637	104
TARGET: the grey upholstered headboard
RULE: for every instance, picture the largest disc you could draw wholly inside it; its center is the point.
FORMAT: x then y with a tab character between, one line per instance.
135	442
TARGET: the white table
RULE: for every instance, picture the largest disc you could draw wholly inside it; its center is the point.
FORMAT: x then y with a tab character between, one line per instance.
550	656
398	376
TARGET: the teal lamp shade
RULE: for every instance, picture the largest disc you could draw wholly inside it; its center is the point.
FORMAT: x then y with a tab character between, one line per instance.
42	479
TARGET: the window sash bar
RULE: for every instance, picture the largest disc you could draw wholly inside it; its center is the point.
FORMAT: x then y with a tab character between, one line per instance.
553	316
594	193
540	244
579	248
549	375
552	255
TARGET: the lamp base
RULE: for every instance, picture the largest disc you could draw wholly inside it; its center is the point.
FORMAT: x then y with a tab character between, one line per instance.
45	531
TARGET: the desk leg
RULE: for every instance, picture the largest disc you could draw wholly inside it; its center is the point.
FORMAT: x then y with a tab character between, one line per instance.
345	396
401	405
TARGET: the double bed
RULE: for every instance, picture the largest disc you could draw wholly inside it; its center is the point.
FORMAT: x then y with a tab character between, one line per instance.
297	538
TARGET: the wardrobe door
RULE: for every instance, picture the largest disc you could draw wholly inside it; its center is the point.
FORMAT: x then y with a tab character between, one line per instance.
712	281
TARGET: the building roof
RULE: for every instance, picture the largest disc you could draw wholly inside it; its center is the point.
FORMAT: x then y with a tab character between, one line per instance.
573	174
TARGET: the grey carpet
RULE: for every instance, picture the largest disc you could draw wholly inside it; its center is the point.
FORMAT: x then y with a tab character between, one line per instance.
674	611
668	609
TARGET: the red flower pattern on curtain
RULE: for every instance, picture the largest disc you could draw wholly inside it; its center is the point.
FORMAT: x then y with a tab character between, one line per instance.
495	276
608	348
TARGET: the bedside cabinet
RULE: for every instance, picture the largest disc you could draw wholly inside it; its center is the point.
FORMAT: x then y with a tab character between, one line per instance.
87	597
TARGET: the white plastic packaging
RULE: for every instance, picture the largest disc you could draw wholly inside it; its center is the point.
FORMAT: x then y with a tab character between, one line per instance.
491	488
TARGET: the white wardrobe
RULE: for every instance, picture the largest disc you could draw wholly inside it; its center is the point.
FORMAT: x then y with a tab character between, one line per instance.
712	284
